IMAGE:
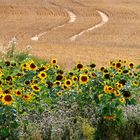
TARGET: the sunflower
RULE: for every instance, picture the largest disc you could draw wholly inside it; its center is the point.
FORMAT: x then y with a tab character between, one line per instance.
18	93
117	93
102	69
59	94
42	75
120	71
1	96
35	88
110	89
56	66
32	66
112	64
122	81
49	84
106	89
107	76
24	67
131	65
7	63
68	82
119	86
27	82
83	79
125	71
7	99
93	75
7	91
126	94
64	86
9	78
135	83
74	78
122	100
92	65
59	77
118	65
26	97
54	61
105	71
58	83
60	72
43	68
79	66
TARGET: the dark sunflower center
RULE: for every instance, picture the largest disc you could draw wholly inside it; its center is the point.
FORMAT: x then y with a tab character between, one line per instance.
57	83
109	88
107	76
92	65
68	82
8	98
122	82
84	78
43	74
18	93
36	88
79	66
27	82
118	65
6	91
54	61
75	78
7	63
59	77
32	65
102	68
131	65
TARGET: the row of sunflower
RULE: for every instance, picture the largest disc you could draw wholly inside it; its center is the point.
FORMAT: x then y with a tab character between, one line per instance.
31	86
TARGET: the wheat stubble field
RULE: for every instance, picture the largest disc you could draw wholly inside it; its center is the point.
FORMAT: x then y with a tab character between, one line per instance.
49	25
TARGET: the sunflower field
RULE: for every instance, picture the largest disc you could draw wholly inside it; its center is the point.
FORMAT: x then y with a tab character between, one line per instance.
42	101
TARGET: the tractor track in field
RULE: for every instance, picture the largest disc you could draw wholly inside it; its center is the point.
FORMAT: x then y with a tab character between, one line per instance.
71	15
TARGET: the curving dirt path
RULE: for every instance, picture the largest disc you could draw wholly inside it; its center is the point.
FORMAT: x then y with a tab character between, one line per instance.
104	19
72	18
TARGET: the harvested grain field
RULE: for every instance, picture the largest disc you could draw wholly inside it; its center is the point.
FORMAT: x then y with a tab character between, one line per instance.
74	30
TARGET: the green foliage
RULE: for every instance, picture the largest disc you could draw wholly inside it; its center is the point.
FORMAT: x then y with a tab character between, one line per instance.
29	87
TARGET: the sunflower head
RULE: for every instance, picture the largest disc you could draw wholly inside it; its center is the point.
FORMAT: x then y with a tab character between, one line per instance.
74	78
35	87
118	65
68	82
7	99
83	79
119	86
92	65
54	61
106	89
26	97
131	65
57	83
18	93
122	100
79	66
126	94
59	94
117	93
42	75
32	66
93	75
